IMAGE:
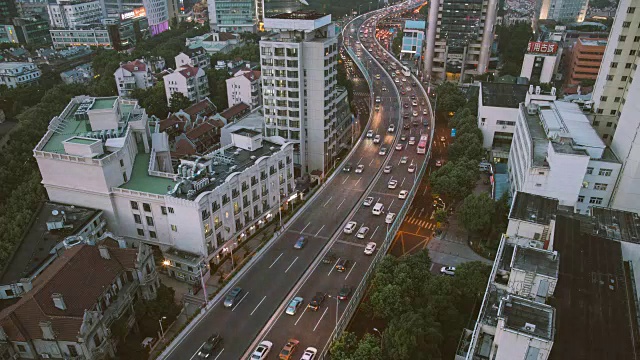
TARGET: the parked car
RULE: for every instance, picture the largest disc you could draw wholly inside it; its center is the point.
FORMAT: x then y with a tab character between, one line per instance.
448	270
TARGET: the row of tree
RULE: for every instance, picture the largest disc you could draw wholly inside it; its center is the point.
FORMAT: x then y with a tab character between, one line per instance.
424	313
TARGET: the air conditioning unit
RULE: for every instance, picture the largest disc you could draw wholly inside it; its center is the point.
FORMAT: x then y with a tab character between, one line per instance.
529	327
45	356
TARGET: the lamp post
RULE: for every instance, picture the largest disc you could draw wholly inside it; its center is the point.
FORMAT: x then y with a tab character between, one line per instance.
230	250
161	329
337	307
279	206
381	337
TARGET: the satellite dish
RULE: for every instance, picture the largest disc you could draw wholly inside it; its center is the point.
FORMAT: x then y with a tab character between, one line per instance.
54	212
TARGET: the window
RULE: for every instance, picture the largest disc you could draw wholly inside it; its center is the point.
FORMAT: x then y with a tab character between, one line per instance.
603	98
622	38
174	228
636	39
121	164
22	348
124	177
624	78
164	210
609	77
631	10
626	24
152	234
616	99
140	232
599	186
580	198
614	64
612	112
605	172
617	52
628	65
137	219
589	170
596	123
146	207
595	200
72	349
134	205
170	210
632	52
149	221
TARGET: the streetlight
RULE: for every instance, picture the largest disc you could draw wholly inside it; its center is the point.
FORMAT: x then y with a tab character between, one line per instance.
230	250
161	329
381	337
337	306
279	206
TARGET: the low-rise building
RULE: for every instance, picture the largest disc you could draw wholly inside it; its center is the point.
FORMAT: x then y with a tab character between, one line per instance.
120	34
233	113
215	42
244	87
13	74
541	61
191	81
133	75
80	74
73	14
196	57
413	38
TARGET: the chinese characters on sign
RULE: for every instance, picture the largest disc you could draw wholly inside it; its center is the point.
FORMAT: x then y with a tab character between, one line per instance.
542	47
135	13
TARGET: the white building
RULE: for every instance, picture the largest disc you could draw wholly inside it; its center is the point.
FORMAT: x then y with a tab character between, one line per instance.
541	62
299	79
192	82
244	87
215	42
94	35
133	75
13	74
70	14
105	154
556	153
562	10
195	57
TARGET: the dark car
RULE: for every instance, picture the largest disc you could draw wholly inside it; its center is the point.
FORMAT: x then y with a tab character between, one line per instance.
347	168
232	297
316	301
405	126
300	243
330	258
209	346
344	293
342	265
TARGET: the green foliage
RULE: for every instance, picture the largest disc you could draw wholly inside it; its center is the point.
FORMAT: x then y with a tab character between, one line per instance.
413	333
247	52
440	215
343	346
396	45
450	98
466	146
153	100
512	45
456	179
476	213
152	311
169	43
218	87
178	102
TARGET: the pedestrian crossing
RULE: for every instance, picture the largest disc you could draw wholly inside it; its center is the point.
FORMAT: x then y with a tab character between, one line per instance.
361	93
420	222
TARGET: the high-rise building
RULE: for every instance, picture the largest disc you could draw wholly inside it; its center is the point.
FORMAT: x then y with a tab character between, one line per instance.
72	14
459	38
586	57
269	8
562	10
8	10
299	87
156	12
232	15
614	84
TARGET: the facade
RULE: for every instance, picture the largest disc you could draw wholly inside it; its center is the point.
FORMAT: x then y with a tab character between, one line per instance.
118	35
619	64
459	39
13	74
541	62
7	10
585	61
413	38
81	74
33	9
133	75
215	42
33	31
192	82
59	319
72	14
157	12
245	87
235	16
107	154
562	10
8	34
270	8
299	86
196	57
556	153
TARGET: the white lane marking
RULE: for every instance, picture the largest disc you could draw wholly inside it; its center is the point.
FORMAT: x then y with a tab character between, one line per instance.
319	231
235	307
325	204
300	317
275	261
340	204
293	262
354	265
402	183
374	232
197	351
256	308
345	179
391	203
371	161
333	267
318	323
304	228
425	190
358	181
360	160
220	353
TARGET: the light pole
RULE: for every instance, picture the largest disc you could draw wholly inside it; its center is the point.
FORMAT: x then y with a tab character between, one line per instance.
359	9
161	329
381	337
279	206
230	250
204	288
337	307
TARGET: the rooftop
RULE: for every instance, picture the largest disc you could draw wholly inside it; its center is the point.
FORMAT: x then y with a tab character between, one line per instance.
503	95
235	110
616	224
533	208
593	297
528	317
534	260
140	179
247	132
593	42
299	15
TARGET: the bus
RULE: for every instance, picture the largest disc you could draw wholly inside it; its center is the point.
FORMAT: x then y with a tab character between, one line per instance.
422	144
405	71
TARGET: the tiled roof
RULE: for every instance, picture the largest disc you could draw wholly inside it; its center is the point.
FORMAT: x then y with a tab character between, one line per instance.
81	276
234	110
204	108
200	130
188	71
131	65
171	121
252	75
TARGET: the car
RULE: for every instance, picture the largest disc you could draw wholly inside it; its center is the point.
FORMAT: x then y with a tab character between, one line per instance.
342	265
209	346
415	113
309	353
412	140
402	92
408	88
382	151
368	201
378	99
387	169
317	300
438	163
403	194
378	76
232	297
300	243
425	122
392	184
443	139
329	258
344	292
405	105
403	137
347	168
448	270
404	79
370	133
359	169
262	350
404	159
377	107
376	140
362	232
411	168
424	111
405	126
294	304
398	146
405	116
413	97
390	217
351	225
370	248
414	103
289	348
397	81
391	128
384	88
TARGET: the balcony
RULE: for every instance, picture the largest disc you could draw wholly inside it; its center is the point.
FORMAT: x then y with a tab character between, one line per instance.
121	304
150	277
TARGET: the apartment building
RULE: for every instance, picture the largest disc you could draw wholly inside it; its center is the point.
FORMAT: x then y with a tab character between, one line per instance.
75	301
71	14
586	57
191	81
615	84
459	39
13	74
133	75
413	38
270	8
236	16
116	34
562	10
556	153
299	86
215	42
245	87
106	154
194	57
541	61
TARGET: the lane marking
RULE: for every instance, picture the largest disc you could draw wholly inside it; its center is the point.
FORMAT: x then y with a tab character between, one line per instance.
220	353
345	179
275	261
391	203
351	243
304	228
235	307
318	323
197	351
300	317
402	183
371	161
354	265
341	204
374	232
256	308
325	204
294	261
316	235
358	181
333	267
359	161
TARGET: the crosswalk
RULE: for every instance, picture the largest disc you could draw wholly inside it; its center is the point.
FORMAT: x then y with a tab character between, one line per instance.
420	222
361	93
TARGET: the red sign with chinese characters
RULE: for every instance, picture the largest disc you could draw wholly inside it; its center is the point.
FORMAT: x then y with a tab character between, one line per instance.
542	47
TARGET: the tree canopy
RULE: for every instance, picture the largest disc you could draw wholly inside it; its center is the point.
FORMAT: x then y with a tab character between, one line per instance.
455	179
476	213
450	98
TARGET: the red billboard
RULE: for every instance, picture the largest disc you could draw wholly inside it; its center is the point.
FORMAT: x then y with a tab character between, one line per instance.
542	47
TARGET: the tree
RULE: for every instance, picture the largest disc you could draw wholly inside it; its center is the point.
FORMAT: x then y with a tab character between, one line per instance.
410	334
440	215
450	98
455	179
476	213
472	277
218	86
466	145
344	346
512	45
153	100
178	102
368	348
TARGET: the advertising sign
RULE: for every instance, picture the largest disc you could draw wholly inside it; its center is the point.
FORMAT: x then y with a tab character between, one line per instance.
542	47
133	14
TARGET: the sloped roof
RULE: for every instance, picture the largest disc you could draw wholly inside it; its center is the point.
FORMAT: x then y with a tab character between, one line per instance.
188	71
234	110
131	65
204	107
252	75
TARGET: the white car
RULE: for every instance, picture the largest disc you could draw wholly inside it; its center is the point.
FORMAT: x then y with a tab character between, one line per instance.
412	140
424	112
351	225
438	163
397	81
415	113
362	232
262	350
378	99
403	194
404	79
448	270
391	128
390	217
387	169
368	201
412	168
359	169
392	184
370	248
376	140
399	147
370	133
383	151
414	103
384	88
309	354
404	159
